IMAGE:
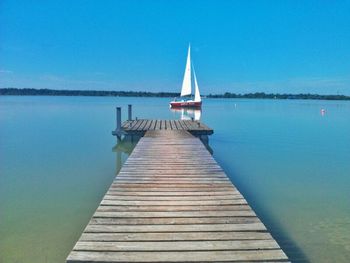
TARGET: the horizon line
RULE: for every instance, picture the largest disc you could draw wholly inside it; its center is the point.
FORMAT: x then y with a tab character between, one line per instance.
100	93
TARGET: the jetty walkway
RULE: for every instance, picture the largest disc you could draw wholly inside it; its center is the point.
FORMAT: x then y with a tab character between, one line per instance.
140	127
172	202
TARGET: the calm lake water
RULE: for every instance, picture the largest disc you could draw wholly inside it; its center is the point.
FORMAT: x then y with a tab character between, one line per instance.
58	157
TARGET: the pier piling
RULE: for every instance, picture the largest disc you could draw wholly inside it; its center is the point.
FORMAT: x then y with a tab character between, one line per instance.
119	118
129	112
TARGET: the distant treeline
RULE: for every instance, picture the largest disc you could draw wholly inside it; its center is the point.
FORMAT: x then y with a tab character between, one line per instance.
257	95
262	95
52	92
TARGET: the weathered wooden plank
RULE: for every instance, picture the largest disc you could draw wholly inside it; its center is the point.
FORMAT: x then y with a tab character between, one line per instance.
142	180
147	125
126	124
174	208
173	126
176	214
109	196
168	180
184	124
172	172
169	193
189	159
157	125
161	161
171	176
135	125
167	125
174	228
178	236
213	172
142	126
176	245
174	181
142	186
152	125
174	203
189	185
174	221
187	124
164	187
166	191
181	256
180	125
165	166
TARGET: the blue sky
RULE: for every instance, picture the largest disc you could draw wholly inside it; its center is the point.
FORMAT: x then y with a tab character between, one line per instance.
238	46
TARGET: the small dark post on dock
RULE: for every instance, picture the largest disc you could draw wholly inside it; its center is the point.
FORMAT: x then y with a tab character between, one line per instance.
129	112
119	118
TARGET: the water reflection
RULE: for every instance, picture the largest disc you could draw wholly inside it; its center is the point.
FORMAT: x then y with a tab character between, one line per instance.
187	113
123	149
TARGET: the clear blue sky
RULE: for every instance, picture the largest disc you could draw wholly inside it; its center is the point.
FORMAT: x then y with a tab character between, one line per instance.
238	46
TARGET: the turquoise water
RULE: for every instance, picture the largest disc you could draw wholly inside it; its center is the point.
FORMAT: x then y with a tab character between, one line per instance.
57	159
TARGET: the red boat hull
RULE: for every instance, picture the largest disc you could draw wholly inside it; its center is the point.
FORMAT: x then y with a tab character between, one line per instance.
185	104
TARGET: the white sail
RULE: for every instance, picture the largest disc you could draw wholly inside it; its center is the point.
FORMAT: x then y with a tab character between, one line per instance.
186	84
197	95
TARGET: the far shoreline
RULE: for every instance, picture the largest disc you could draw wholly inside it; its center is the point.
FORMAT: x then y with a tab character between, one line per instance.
103	93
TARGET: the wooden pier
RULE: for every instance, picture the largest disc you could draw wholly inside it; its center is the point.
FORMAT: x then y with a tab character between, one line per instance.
172	202
139	127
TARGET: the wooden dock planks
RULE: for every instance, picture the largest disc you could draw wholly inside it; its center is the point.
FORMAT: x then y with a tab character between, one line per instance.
140	126
171	202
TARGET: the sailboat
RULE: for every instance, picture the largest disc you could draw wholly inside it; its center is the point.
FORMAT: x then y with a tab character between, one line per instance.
186	99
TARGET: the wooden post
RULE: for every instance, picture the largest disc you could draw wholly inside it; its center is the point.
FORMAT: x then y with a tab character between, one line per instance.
129	112
119	118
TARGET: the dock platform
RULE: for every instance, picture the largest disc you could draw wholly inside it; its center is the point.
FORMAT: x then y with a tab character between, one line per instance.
172	202
141	126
